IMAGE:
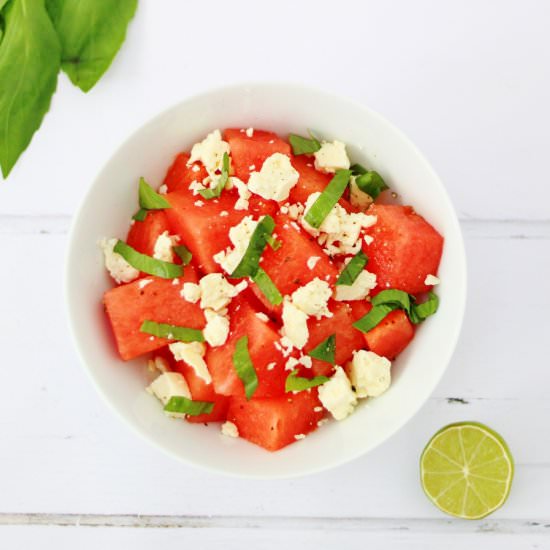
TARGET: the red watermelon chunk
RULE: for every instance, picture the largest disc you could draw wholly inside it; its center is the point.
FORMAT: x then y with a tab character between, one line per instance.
405	249
262	337
274	423
128	305
143	235
180	176
252	151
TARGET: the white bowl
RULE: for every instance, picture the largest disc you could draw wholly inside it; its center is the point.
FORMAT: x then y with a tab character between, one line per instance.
112	199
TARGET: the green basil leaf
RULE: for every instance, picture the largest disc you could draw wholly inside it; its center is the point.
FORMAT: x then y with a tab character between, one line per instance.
353	269
371	183
324	203
298	383
149	199
392	296
422	311
222	181
172	332
304	146
358	169
29	62
250	262
273	242
267	286
183	253
140	215
325	351
244	367
147	264
375	316
91	33
183	405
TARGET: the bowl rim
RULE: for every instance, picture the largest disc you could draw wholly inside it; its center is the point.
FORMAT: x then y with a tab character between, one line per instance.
454	331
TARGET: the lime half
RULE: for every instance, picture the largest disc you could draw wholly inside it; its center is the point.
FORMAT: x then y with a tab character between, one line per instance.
466	470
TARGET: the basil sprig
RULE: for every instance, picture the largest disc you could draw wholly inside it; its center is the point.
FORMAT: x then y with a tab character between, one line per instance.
215	192
183	405
371	183
330	195
358	169
419	312
352	269
148	264
325	351
304	146
244	367
183	253
299	383
149	199
267	286
172	332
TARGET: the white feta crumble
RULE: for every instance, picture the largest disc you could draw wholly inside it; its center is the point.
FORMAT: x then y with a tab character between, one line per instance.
322	422
119	269
275	179
332	156
244	193
168	385
368	239
239	235
297	437
304	360
158	364
271	366
192	353
431	280
359	290
249	132
224	213
196	186
358	198
216	292
196	168
294	324
210	152
191	292
216	330
199	203
295	210
312	261
229	429
175	281
369	373
163	189
317	409
313	298
144	282
163	247
285	346
252	167
262	317
337	395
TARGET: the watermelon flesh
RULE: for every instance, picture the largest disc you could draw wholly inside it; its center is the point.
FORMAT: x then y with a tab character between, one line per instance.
143	235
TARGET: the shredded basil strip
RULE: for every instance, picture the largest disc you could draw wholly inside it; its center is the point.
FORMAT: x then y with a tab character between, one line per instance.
222	181
148	264
250	262
140	215
172	332
325	202
358	169
183	253
353	269
371	183
375	316
183	405
244	367
422	311
273	242
267	286
392	296
149	199
325	351
304	146
298	383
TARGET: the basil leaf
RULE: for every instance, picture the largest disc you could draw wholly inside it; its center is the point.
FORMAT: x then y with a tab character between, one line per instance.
304	146
91	33
29	63
273	242
183	253
422	311
325	351
222	181
244	367
358	169
172	332
375	316
391	296
371	183
149	199
353	269
250	262
183	405
324	203
267	286
148	264
298	383
140	215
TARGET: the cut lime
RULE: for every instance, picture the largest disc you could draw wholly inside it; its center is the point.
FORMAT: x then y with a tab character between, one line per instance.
466	470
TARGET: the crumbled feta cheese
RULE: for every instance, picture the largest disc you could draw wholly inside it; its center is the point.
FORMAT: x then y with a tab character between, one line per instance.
163	247
119	269
239	235
431	280
312	298
252	167
210	152
216	330
312	261
216	292
295	210
331	157
244	193
271	366
249	132
196	186
229	429
224	213
337	395
191	292
196	168
158	364
285	346
358	198
199	203
322	422
297	437
175	281
168	385
163	189
317	409
359	290
368	239
284	208
369	373
144	282
304	360
295	324
192	353
275	179
262	317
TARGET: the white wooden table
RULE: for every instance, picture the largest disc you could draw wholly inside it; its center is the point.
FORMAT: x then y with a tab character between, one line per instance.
470	83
